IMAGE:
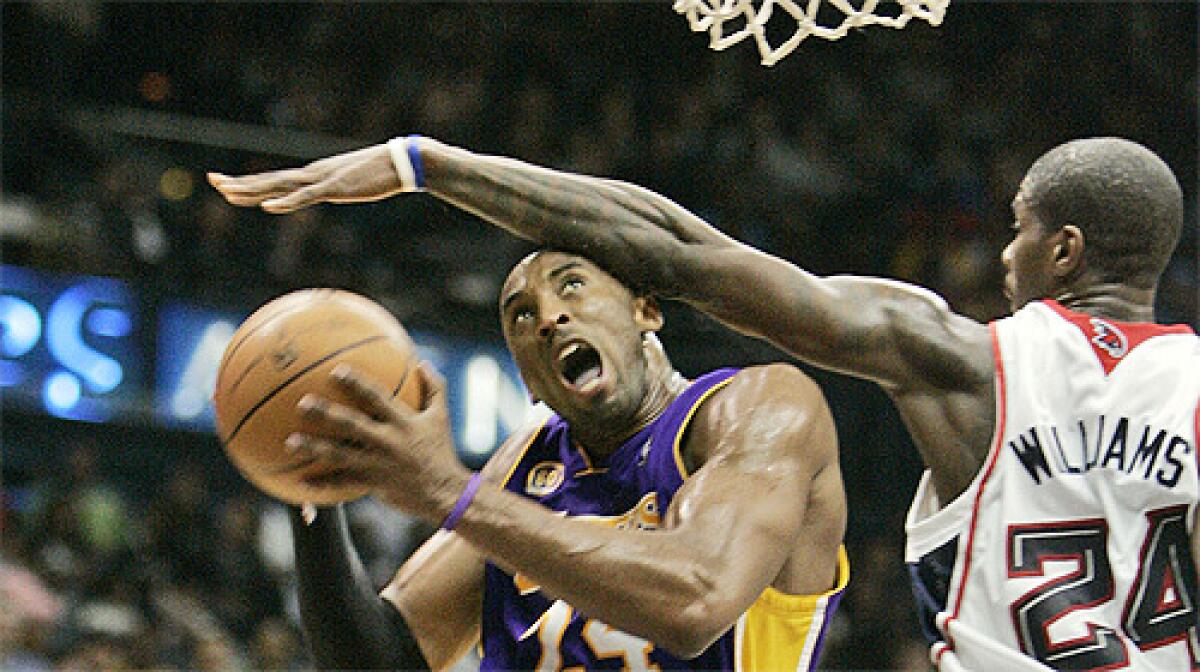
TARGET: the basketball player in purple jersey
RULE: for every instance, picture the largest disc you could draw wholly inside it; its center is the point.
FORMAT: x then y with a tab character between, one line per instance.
651	523
1055	527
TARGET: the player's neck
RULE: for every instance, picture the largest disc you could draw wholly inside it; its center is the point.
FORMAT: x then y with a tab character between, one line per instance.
604	439
1110	301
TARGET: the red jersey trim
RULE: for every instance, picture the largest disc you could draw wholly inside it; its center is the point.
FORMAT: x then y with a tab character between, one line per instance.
1111	340
993	457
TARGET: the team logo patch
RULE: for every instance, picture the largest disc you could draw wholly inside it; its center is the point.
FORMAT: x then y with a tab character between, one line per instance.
544	478
1109	338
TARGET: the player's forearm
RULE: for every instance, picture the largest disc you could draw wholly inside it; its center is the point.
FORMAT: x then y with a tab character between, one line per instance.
346	623
634	233
656	585
651	243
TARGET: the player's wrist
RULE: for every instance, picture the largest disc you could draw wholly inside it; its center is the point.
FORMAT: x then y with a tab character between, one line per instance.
434	500
406	159
465	497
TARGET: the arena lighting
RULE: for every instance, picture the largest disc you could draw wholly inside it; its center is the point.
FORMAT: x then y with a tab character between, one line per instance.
20	326
481	384
67	343
109	322
68	348
61	392
192	397
190	341
65	334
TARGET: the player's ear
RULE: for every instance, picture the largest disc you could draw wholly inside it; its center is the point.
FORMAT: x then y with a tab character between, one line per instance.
647	313
1068	251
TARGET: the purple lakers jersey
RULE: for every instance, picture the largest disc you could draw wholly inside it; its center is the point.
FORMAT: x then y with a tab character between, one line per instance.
525	630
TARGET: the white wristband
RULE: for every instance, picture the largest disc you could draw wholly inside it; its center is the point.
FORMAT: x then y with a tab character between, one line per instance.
407	161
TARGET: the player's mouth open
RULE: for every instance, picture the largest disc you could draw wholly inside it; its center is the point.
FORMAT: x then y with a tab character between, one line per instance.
580	367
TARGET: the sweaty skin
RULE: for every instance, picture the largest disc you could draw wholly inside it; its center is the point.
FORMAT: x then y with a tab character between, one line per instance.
763	505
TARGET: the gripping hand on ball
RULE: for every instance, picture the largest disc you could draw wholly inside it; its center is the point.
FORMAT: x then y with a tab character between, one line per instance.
358	176
405	456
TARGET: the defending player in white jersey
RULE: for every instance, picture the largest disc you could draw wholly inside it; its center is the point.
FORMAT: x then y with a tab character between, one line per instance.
1091	569
1071	545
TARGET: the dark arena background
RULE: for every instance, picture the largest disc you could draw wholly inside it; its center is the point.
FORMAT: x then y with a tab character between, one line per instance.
129	542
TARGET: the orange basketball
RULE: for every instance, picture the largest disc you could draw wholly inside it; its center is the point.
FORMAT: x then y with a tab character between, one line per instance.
286	349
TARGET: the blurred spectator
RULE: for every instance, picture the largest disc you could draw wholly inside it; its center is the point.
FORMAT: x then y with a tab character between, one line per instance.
245	593
276	646
182	529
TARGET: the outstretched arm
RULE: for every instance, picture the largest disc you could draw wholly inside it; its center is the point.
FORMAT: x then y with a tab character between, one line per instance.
896	334
937	365
727	534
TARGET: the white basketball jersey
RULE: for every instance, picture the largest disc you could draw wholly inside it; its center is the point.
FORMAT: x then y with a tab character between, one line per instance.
1071	548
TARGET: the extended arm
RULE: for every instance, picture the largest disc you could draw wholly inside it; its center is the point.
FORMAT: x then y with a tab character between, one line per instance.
728	532
896	334
937	365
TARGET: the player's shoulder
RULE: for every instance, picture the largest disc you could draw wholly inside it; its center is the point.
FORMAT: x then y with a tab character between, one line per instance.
774	380
777	397
505	458
890	287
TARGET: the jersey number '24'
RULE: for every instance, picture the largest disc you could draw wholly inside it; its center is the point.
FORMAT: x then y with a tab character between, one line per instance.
1160	607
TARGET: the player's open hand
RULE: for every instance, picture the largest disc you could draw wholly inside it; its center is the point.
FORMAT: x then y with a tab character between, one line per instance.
405	456
358	176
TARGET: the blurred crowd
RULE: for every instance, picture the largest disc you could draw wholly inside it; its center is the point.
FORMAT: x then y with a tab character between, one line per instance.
184	574
888	152
192	577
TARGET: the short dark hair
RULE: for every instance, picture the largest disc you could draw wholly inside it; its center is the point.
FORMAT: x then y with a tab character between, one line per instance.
1122	196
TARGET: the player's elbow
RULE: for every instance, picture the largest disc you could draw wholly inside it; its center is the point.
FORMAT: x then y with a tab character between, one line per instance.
696	615
691	630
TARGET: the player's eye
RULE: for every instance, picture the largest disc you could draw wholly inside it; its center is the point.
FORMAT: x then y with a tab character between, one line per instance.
522	315
571	284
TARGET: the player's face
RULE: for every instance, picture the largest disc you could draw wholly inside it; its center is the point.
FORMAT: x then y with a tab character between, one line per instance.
1028	258
576	335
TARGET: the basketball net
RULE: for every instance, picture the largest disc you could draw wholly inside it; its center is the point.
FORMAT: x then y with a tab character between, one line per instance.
752	15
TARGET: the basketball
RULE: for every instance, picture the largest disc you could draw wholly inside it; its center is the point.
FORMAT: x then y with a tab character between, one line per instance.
286	349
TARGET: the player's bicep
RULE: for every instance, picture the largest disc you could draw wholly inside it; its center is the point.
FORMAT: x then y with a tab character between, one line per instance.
748	499
815	318
895	333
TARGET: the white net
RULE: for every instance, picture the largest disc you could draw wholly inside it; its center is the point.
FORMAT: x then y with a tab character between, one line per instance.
731	21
